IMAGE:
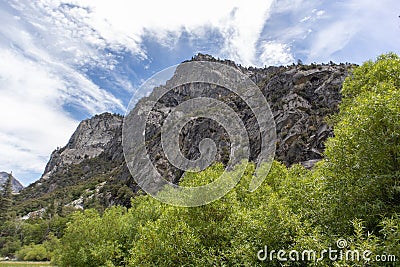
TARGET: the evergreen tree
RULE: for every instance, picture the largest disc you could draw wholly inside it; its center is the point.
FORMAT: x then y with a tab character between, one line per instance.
6	198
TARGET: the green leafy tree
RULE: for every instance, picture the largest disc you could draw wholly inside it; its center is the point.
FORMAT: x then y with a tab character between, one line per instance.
95	240
33	253
363	159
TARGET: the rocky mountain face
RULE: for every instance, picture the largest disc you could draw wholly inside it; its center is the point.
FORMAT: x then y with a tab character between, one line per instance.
92	156
16	185
301	97
90	139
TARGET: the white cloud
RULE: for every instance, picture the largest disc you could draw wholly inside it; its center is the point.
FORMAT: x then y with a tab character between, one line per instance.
62	31
357	30
274	53
320	31
319	13
291	22
331	39
315	14
305	19
121	24
243	29
32	120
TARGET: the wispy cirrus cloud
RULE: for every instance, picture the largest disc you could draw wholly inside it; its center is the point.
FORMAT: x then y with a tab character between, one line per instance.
341	31
356	31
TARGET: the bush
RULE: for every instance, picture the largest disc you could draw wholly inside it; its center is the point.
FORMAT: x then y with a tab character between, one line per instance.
9	245
33	253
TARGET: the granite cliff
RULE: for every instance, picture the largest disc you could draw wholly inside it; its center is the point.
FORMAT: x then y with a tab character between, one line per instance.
91	168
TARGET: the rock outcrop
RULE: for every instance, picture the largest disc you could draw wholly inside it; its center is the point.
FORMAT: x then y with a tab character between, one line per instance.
94	151
300	97
90	139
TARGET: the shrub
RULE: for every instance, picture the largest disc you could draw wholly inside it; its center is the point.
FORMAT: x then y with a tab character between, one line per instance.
33	253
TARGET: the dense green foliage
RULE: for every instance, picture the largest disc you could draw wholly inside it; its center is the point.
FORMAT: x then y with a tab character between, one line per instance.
363	160
71	182
353	194
16	234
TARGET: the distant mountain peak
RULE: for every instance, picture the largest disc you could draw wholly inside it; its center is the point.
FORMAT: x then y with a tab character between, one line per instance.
16	185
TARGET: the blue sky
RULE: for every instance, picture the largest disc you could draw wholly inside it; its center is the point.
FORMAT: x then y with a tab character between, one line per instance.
65	60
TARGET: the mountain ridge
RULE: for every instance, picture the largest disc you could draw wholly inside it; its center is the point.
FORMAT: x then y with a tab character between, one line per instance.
301	97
